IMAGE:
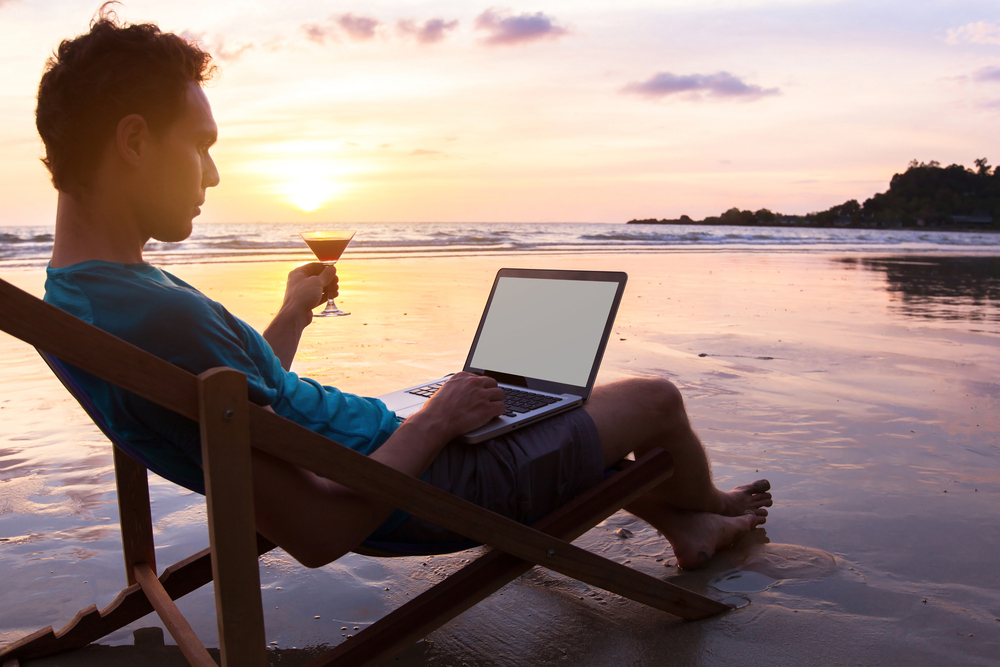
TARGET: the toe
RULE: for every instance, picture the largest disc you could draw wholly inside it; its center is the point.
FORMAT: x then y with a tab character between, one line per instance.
760	486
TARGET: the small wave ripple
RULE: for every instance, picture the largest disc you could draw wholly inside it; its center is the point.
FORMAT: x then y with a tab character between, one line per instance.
33	245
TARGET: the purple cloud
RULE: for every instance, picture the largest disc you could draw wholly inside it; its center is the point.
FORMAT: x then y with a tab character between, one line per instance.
430	32
217	45
504	28
316	33
358	28
720	84
987	74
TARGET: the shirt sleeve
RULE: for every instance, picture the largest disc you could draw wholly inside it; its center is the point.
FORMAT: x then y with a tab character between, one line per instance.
182	326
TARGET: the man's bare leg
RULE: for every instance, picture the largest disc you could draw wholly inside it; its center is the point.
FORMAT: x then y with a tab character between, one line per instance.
695	516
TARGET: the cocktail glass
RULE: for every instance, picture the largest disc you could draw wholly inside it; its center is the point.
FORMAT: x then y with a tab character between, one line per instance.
328	247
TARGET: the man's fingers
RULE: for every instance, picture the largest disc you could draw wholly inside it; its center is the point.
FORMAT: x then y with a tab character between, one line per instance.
328	276
310	269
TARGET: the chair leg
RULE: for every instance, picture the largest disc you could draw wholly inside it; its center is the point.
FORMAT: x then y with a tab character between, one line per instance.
490	572
225	447
178	627
134	513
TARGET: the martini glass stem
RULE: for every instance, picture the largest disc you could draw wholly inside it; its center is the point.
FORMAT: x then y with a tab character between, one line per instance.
331	309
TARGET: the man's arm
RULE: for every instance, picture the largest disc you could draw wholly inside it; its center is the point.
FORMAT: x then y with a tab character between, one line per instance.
308	286
317	521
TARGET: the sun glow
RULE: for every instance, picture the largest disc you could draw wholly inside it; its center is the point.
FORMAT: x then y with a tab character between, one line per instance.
311	192
307	184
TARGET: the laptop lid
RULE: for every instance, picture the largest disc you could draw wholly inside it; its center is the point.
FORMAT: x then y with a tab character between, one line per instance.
547	329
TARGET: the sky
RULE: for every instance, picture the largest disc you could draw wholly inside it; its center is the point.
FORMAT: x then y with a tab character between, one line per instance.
545	111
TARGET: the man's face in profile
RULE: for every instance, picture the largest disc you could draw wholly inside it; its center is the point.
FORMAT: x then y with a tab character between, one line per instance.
178	171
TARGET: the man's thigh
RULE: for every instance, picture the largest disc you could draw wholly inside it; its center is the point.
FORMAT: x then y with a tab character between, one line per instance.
634	414
522	475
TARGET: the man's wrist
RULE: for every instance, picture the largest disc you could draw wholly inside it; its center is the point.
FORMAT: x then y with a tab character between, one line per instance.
298	318
428	427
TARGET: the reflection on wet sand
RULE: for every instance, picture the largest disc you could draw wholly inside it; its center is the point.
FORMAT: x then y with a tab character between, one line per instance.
964	288
881	440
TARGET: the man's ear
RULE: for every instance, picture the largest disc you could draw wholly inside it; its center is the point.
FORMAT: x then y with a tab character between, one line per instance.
131	138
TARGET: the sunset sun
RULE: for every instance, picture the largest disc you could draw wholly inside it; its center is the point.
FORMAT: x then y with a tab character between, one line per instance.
308	184
310	193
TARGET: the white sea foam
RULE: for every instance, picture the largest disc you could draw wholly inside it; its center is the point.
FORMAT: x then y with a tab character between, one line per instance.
32	245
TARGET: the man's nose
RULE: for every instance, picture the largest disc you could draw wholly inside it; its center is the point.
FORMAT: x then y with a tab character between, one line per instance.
210	174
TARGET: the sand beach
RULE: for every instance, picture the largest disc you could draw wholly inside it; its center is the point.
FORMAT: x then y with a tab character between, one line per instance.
864	385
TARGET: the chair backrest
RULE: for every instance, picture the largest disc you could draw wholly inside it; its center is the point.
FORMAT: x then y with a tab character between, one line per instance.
64	376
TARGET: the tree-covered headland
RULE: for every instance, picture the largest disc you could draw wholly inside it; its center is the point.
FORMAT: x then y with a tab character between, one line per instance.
924	196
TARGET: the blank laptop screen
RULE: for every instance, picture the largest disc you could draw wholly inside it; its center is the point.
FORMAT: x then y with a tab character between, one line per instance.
545	329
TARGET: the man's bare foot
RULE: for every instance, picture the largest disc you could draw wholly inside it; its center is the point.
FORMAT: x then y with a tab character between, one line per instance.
749	497
696	536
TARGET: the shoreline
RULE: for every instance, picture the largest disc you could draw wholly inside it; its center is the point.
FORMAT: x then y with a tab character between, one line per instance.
31	247
734	249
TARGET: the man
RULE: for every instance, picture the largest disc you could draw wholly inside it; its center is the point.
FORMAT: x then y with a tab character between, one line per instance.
127	131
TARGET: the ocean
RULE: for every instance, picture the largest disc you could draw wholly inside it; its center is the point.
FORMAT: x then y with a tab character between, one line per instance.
31	246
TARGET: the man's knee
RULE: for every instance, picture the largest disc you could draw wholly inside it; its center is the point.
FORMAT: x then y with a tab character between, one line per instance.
659	396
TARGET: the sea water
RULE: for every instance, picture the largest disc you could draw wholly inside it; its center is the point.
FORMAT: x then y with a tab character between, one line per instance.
28	246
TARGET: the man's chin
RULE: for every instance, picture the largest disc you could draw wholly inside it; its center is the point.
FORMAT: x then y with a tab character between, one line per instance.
173	234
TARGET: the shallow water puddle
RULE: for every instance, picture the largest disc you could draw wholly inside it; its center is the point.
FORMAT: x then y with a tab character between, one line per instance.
765	565
738	581
736	601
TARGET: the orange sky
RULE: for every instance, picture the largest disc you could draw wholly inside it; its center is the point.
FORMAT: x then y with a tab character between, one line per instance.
554	111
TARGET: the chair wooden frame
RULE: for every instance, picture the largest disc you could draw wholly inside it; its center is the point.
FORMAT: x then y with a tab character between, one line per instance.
230	426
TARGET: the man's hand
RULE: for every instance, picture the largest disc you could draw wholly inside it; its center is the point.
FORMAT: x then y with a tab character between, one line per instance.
309	286
464	403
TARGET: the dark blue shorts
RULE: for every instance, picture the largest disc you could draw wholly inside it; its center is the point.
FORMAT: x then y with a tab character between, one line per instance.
522	475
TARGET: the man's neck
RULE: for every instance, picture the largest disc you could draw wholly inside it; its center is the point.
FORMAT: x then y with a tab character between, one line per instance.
88	227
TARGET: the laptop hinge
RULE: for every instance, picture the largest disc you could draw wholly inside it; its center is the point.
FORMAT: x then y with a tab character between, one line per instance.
507	378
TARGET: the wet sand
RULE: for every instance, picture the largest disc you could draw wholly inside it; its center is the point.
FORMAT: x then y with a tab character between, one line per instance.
864	387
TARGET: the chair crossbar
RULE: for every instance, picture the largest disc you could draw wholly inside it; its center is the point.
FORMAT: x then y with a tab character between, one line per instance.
131	604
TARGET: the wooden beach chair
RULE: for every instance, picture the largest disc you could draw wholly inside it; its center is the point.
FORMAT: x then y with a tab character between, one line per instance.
230	426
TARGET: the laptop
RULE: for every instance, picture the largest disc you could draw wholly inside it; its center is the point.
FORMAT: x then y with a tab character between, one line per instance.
541	337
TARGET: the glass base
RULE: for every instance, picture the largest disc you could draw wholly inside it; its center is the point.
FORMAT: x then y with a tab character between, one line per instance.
331	310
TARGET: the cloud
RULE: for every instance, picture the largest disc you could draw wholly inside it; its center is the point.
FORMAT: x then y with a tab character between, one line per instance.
433	30
317	33
218	46
980	32
504	28
988	74
421	151
720	84
358	28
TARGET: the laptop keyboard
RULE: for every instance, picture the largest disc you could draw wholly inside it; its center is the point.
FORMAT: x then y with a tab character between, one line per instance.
517	401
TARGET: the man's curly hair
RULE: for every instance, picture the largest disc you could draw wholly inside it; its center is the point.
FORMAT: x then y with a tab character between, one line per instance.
93	81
